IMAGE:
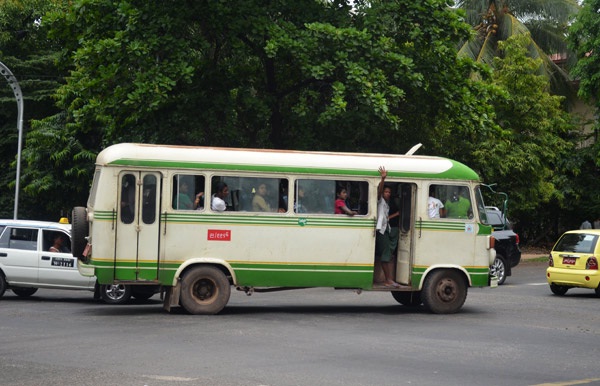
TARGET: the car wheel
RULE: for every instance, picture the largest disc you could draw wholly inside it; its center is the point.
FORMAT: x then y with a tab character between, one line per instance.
205	290
444	291
498	268
408	298
24	292
597	291
559	290
79	231
3	284
115	293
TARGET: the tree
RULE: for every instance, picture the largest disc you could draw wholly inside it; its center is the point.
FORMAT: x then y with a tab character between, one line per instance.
545	22
318	75
30	55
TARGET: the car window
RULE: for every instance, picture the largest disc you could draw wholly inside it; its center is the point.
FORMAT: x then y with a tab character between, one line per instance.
19	238
50	239
577	242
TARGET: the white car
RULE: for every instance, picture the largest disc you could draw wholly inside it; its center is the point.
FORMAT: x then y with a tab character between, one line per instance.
37	254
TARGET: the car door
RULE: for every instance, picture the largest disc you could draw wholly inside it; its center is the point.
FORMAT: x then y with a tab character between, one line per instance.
19	256
60	268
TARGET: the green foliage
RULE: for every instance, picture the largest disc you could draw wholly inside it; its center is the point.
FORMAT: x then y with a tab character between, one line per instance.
584	39
30	55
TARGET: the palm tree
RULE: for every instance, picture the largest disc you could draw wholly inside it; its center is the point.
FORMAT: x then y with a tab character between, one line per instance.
546	21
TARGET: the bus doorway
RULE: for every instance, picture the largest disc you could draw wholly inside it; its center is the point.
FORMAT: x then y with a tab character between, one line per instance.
407	201
138	224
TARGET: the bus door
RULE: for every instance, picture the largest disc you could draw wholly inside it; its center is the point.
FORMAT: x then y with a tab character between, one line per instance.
137	236
407	194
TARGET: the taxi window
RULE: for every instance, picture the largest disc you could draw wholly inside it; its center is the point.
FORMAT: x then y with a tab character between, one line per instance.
577	242
20	238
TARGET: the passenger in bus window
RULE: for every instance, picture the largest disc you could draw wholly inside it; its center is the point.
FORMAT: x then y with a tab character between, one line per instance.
299	206
340	202
458	206
183	200
383	251
259	202
218	199
435	208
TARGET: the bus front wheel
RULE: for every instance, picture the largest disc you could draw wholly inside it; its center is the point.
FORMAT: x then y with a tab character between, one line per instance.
205	290
444	292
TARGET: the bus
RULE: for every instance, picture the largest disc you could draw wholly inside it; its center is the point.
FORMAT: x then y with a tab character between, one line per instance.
149	221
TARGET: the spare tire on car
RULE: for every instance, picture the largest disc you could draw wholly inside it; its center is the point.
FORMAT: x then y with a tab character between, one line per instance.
79	232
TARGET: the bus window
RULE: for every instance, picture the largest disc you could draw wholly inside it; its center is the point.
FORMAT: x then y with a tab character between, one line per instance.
149	199
252	194
186	188
127	198
318	196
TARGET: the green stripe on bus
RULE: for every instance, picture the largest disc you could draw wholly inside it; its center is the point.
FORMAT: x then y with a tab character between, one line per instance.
457	171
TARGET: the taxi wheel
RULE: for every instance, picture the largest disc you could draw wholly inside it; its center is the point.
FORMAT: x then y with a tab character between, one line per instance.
24	292
598	291
115	293
559	290
205	290
3	284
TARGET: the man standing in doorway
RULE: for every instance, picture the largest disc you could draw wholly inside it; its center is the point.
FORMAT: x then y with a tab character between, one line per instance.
383	252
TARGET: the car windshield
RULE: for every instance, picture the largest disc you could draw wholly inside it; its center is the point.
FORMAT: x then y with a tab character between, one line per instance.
577	242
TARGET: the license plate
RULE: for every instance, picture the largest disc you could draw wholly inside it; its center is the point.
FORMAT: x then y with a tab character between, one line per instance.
62	262
569	260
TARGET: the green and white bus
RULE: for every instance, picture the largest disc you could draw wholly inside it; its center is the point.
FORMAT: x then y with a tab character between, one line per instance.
143	225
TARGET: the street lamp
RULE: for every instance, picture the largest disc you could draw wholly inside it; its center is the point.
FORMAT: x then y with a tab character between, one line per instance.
12	81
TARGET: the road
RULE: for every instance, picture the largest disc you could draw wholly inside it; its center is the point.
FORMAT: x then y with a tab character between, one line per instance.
517	334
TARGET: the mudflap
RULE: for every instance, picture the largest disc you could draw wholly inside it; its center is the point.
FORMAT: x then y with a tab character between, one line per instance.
171	298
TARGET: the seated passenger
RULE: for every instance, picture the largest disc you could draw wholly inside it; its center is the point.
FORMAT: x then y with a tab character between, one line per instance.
458	206
340	203
218	199
57	244
259	202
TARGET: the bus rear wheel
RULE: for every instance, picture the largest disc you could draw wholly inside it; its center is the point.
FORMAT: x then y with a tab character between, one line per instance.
408	299
205	290
444	292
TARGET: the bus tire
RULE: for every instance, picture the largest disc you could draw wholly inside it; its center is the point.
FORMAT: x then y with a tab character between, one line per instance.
444	291
205	290
24	292
408	298
79	231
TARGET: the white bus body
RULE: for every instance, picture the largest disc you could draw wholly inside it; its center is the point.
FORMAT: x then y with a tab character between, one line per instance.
143	226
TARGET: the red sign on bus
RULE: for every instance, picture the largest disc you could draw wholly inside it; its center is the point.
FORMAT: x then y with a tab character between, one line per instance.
219	235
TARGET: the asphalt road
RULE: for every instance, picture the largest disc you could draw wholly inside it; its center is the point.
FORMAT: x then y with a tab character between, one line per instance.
517	334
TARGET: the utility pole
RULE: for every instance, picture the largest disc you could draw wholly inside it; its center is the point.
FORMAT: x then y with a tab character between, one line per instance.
12	81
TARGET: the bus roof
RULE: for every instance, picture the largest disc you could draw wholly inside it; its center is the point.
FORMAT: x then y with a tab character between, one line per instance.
282	161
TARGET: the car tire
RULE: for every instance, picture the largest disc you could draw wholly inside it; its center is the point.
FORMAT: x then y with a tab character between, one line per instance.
24	292
559	290
408	298
3	284
79	232
115	293
597	290
444	291
498	268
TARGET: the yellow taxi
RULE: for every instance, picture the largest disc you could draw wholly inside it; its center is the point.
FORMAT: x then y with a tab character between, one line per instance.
573	262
